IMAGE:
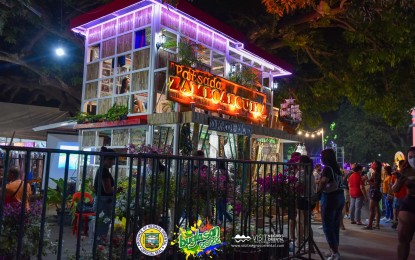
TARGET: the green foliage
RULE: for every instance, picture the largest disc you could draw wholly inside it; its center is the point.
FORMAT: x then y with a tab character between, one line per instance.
364	136
55	196
116	112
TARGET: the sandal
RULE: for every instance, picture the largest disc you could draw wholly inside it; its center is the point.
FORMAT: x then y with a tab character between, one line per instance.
367	228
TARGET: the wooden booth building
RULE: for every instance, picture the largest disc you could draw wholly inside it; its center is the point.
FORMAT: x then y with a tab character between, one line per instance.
181	79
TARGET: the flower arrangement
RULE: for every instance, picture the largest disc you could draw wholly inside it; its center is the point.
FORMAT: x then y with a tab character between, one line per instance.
31	231
117	243
133	149
281	187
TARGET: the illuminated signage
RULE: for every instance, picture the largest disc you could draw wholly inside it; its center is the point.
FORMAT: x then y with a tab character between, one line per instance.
187	86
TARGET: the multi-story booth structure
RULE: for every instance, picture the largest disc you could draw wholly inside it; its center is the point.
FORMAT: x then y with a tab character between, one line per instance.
178	71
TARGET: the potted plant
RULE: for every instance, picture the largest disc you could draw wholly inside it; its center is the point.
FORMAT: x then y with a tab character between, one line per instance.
55	198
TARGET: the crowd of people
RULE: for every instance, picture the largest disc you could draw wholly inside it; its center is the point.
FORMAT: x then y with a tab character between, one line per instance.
389	191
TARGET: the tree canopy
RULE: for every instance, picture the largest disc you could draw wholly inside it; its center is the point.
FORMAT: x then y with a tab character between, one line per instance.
30	73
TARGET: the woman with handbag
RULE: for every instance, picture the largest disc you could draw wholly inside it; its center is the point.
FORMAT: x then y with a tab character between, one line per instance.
375	195
332	200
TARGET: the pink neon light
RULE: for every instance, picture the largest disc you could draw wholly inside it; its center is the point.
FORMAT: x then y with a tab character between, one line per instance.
219	43
143	17
94	34
125	23
188	28
170	19
109	29
204	36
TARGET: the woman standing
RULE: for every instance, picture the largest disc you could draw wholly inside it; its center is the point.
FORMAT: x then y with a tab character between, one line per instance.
104	190
374	194
332	200
406	226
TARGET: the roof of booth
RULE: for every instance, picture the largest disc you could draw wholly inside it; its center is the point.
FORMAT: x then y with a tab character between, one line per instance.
18	120
120	7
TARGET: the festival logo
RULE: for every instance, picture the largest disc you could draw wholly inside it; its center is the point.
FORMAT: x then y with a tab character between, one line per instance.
151	240
199	240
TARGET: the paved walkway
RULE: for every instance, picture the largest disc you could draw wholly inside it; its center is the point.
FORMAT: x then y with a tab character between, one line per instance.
356	243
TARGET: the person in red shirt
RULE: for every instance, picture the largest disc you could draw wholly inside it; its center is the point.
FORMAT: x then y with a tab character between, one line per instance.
357	194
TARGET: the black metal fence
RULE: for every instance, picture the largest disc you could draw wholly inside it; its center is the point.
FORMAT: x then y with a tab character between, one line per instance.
253	203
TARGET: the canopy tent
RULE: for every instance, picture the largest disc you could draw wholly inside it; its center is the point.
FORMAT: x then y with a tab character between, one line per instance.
20	120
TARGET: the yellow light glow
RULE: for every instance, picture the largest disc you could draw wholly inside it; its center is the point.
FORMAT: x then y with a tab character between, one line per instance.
313	135
307	134
300	133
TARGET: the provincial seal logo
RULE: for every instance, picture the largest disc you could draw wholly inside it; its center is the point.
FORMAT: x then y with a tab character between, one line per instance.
151	240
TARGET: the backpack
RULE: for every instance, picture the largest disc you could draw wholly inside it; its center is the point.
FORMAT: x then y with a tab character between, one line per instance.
335	184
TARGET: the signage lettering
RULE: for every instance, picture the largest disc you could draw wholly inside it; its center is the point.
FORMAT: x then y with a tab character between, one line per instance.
219	125
187	85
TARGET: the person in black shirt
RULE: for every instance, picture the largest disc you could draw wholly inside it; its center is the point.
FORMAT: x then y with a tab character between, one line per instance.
332	200
104	193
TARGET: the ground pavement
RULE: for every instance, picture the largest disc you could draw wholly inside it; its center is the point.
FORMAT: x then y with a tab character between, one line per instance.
356	243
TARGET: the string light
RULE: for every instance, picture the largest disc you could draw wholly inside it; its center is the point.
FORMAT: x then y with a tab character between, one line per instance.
312	134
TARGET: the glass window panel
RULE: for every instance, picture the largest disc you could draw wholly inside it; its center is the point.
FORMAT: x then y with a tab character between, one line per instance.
90	107
120	137
163	105
93	52
122	85
203	55
163	57
92	71
141	59
142	38
122	100
91	90
88	138
139	81
123	64
140	102
107	67
104	137
160	81
108	48
106	87
124	43
104	105
163	137
138	136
